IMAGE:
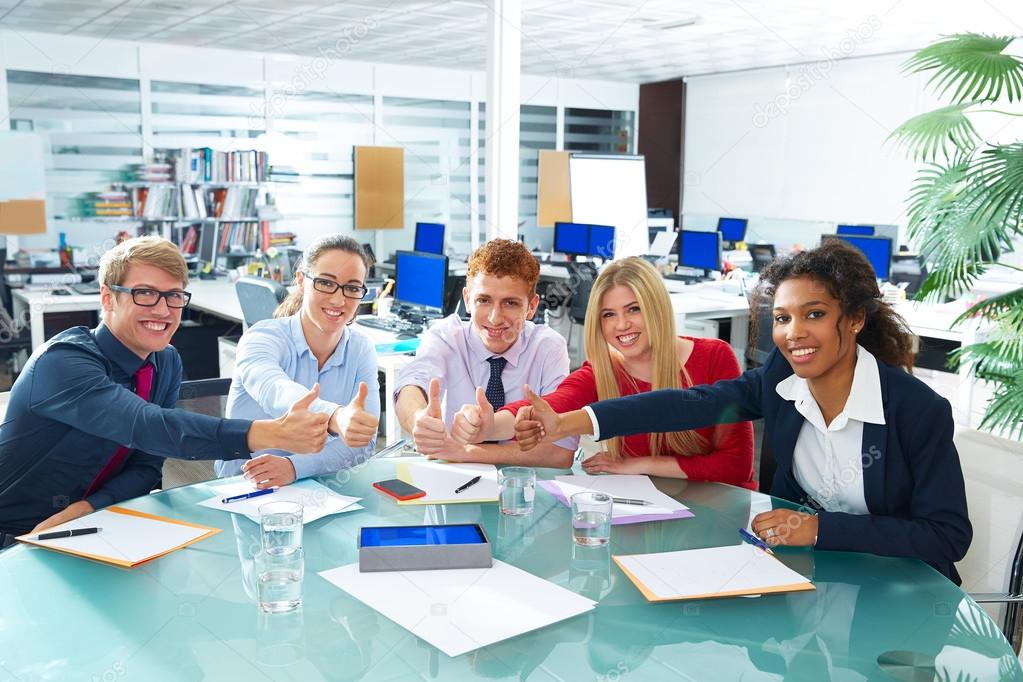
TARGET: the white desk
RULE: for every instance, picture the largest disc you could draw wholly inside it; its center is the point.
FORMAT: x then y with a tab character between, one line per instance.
30	306
710	301
216	297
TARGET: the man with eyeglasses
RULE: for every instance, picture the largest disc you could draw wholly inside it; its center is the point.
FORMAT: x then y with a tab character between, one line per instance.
91	416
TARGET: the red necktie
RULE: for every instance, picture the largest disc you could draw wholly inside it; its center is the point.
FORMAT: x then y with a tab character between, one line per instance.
143	385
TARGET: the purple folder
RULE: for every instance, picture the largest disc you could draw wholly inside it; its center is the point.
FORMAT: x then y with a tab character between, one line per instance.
553	489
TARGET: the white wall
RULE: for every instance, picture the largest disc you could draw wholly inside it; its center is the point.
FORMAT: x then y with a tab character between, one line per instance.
49	53
801	143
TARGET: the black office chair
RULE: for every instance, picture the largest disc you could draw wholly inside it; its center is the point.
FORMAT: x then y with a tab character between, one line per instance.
205	396
202	396
581	278
760	334
259	297
762	255
1013	599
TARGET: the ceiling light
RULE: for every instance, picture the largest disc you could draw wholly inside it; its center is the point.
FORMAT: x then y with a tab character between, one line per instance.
675	23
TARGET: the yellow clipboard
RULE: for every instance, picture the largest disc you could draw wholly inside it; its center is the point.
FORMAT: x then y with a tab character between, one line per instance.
123	530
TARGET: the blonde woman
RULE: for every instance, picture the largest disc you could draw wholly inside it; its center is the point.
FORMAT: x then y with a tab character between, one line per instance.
631	348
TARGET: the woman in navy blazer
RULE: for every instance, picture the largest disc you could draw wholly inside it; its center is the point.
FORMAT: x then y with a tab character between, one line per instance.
854	434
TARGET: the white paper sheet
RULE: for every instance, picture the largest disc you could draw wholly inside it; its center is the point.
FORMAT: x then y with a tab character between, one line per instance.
461	610
440	479
123	536
629	486
711	571
317	499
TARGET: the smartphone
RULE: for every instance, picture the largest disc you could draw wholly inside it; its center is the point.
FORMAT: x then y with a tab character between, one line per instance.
399	489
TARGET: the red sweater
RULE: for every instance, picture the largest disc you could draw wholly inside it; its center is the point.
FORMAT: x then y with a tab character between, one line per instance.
730	459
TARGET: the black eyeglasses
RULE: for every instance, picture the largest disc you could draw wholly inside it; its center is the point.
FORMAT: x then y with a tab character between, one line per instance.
329	286
147	298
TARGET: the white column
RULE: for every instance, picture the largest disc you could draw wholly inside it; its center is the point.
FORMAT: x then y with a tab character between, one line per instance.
504	58
474	174
145	105
5	113
378	126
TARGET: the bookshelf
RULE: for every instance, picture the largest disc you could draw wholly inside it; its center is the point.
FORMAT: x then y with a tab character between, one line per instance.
188	192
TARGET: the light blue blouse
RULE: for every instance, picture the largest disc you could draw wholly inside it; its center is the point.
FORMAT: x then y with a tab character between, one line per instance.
274	367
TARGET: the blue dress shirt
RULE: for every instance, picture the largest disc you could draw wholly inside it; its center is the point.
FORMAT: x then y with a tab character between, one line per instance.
275	367
73	406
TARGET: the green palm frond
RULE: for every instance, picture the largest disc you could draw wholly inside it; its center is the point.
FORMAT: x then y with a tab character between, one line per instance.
996	186
974	630
974	64
935	192
1005	410
1010	303
957	250
988	361
944	131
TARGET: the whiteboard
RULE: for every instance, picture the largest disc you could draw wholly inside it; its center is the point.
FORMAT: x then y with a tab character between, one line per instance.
611	190
22	168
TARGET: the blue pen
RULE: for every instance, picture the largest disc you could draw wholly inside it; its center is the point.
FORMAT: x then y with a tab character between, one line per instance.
754	540
246	496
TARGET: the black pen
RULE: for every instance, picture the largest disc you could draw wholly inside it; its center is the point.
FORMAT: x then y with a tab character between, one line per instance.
57	534
469	484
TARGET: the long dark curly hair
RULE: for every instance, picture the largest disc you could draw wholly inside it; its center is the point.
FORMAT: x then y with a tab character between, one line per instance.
849	278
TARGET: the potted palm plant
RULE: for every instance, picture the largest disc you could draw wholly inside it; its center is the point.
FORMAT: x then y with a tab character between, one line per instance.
966	205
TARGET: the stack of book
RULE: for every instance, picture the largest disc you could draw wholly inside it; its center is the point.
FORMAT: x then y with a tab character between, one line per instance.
205	165
234	202
156	202
157	171
110	204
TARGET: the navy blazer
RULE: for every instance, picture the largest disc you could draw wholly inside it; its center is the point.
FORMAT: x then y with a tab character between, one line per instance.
912	479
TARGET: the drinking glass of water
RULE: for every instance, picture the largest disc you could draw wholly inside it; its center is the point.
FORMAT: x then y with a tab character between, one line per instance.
591	518
517	487
281	526
279	580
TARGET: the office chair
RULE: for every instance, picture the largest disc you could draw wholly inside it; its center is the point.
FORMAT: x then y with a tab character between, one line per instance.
259	297
762	255
1013	599
582	276
760	335
202	396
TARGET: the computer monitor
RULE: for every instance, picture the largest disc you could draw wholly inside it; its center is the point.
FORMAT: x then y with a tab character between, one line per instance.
572	238
856	230
429	237
208	244
421	278
699	249
732	229
878	251
601	241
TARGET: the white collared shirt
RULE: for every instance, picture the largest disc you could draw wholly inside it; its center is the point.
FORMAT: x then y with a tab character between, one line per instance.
828	458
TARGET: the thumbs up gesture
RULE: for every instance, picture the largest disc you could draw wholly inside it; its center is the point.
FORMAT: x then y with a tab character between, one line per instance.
428	430
537	423
301	430
473	422
353	423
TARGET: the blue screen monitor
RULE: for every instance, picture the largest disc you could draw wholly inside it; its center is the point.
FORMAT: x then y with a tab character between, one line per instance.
572	238
732	229
429	237
699	249
878	251
857	230
421	280
602	241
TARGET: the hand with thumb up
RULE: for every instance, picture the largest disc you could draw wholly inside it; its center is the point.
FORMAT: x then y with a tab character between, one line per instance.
353	423
536	424
428	430
473	422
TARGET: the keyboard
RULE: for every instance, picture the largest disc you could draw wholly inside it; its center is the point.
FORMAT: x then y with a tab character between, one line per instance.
85	288
395	325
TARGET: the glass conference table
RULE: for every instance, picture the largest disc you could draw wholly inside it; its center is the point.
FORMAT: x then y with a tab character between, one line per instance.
192	614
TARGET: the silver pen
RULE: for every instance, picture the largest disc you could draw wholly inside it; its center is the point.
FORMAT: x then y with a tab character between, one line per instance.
393	447
626	500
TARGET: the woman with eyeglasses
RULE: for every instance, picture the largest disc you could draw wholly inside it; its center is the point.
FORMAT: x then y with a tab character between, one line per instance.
310	341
